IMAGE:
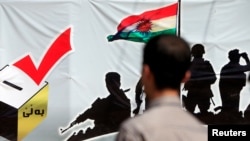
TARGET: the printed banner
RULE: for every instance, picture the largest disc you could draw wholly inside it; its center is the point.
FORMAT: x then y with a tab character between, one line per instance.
70	70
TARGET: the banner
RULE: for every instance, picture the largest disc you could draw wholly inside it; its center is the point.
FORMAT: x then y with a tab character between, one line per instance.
70	69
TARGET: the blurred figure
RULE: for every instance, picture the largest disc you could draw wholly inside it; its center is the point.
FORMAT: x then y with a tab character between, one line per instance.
166	60
199	86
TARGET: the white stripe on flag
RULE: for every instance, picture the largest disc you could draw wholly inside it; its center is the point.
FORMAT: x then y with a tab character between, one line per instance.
163	24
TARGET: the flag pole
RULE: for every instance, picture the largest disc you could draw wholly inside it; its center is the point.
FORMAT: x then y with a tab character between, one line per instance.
179	33
179	18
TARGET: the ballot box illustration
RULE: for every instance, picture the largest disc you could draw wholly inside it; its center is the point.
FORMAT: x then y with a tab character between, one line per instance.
23	103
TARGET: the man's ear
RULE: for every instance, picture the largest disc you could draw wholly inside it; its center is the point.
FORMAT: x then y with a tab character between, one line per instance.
186	76
146	74
145	71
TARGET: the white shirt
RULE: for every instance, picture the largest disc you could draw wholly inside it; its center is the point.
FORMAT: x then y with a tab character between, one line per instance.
164	120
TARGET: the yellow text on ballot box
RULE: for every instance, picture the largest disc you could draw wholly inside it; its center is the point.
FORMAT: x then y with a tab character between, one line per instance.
23	104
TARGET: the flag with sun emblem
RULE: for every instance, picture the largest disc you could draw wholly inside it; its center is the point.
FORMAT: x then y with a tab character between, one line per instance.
140	28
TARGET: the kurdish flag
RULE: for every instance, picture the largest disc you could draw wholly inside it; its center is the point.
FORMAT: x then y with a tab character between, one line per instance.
140	28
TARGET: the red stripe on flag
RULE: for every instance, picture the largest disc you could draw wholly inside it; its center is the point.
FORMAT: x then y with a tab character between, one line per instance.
166	11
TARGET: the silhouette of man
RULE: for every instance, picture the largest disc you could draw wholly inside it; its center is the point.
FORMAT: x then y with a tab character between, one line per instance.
166	60
138	96
139	93
232	80
199	85
107	113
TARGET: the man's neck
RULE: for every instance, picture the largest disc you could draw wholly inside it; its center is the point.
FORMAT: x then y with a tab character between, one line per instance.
165	92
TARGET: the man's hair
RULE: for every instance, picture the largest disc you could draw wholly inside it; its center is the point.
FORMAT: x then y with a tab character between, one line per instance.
234	55
197	50
168	57
112	77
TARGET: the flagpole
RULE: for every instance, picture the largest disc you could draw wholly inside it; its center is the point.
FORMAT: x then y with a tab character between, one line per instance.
179	18
179	30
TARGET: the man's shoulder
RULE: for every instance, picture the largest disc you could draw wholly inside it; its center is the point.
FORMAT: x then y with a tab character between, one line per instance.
134	122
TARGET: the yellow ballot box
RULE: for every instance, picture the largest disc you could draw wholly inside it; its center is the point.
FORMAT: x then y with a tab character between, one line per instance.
23	103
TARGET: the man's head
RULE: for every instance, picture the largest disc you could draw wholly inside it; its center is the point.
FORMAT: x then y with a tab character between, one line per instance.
197	50
234	55
166	59
113	81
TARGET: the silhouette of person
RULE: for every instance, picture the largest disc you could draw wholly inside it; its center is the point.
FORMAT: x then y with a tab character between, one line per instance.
232	80
199	85
139	97
107	113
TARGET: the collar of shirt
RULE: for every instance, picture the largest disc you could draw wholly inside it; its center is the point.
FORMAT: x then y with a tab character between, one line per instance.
166	100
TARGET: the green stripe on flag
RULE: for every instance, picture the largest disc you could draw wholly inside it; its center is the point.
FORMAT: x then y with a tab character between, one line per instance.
138	36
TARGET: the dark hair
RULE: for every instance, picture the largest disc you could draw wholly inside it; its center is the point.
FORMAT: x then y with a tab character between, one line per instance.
234	55
168	57
197	50
113	82
113	77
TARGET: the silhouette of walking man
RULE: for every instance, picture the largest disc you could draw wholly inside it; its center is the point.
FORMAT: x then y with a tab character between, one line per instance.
138	96
107	113
139	93
232	80
199	85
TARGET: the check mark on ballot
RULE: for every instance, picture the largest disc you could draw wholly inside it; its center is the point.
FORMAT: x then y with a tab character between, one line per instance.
58	50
